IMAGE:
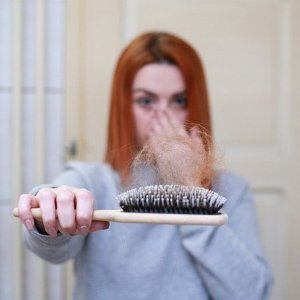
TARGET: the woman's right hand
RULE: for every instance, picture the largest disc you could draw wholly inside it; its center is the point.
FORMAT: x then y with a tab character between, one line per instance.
65	209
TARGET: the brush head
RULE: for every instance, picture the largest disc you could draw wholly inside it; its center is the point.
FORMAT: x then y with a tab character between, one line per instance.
173	199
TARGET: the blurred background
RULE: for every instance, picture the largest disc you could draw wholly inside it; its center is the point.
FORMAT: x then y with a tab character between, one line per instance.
56	62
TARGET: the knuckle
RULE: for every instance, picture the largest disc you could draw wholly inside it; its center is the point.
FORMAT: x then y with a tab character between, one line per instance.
24	197
45	193
65	196
63	187
84	194
44	200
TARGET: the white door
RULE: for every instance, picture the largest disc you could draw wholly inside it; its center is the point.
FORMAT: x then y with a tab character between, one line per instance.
251	52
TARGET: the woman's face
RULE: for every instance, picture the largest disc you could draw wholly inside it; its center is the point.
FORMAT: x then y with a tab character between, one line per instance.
158	90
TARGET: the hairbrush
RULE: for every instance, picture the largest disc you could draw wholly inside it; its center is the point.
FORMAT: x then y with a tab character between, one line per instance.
163	204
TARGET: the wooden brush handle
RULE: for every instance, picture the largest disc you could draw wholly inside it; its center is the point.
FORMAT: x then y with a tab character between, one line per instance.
147	218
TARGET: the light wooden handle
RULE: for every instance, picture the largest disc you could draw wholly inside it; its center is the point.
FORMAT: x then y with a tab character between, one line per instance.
147	218
98	215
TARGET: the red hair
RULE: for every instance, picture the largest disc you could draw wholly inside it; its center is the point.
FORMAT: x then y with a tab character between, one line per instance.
152	47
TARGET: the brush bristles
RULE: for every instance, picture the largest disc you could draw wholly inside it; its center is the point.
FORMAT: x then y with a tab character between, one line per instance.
174	199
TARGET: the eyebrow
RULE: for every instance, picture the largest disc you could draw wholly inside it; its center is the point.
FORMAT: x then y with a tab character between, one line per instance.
155	95
144	91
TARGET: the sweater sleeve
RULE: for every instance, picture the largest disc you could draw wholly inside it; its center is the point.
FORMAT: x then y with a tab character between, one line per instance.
229	258
62	248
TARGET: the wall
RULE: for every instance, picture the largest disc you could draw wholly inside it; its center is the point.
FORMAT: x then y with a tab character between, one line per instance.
32	94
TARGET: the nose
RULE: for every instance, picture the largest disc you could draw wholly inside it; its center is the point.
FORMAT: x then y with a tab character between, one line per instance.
162	106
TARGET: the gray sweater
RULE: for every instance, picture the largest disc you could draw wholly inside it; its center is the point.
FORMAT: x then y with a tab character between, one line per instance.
145	262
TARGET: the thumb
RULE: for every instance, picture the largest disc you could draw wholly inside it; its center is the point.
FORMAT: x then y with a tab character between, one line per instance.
99	225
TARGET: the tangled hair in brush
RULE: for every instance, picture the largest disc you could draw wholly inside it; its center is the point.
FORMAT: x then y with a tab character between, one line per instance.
174	199
182	160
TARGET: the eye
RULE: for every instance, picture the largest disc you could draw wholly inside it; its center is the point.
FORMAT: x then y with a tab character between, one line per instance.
145	102
180	102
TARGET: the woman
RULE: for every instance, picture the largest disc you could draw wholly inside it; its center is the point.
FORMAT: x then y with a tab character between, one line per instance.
158	87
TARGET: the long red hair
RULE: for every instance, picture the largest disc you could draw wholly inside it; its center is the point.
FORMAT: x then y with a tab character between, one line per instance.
152	47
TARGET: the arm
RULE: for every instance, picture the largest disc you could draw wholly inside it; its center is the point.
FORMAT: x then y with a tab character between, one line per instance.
55	250
229	258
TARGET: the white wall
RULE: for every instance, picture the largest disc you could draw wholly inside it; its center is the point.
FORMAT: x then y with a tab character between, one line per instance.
32	95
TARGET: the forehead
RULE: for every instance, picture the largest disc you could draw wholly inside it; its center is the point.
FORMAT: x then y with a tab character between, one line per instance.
159	77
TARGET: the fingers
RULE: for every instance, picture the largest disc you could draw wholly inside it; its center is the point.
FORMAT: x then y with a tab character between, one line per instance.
47	199
26	202
65	202
84	210
66	209
75	211
96	225
177	127
165	123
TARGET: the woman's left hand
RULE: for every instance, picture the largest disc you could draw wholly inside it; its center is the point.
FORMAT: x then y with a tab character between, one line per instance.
179	154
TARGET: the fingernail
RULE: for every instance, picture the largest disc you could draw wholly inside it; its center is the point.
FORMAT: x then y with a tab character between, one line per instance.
52	232
102	225
106	225
29	224
83	230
